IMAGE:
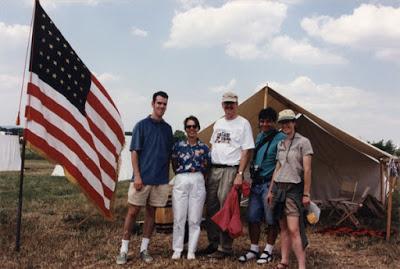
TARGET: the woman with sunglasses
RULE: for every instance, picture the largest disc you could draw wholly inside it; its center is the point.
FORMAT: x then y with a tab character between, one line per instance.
289	193
190	161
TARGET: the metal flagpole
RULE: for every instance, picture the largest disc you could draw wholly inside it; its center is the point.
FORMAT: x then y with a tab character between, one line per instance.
19	211
21	175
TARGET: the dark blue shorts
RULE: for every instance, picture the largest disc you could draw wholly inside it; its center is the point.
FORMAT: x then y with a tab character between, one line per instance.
258	209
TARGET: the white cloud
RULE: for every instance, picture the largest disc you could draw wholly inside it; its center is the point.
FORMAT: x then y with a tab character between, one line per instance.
138	32
235	24
230	86
247	30
362	113
369	27
13	40
302	52
188	4
10	91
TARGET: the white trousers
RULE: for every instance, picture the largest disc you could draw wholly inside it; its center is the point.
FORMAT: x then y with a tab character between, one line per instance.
188	196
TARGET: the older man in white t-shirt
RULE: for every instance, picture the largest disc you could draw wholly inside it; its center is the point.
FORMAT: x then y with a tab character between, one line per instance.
231	141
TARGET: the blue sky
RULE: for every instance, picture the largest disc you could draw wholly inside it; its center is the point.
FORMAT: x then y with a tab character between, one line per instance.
340	59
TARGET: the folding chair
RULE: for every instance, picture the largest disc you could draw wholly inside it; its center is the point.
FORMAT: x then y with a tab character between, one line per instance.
350	208
347	192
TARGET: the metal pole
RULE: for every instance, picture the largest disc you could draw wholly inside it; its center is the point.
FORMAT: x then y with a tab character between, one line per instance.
19	210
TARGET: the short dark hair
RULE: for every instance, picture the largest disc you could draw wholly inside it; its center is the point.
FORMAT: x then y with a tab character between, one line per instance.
268	113
193	118
159	93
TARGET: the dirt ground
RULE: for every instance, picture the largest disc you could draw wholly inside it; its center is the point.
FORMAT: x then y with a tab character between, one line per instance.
55	234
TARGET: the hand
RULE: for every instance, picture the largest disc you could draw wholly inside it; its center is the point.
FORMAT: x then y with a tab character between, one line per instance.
138	183
306	201
269	198
238	180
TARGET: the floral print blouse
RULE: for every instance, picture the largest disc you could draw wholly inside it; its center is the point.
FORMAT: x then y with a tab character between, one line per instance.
189	159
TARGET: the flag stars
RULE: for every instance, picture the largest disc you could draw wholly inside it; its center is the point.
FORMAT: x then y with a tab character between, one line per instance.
51	46
64	45
43	27
75	68
40	66
47	70
68	88
69	76
47	57
62	69
55	63
75	82
62	82
41	53
82	76
75	95
43	40
67	60
81	89
50	33
54	75
59	53
43	16
58	39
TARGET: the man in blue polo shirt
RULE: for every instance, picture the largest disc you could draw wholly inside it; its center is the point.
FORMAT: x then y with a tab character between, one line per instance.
262	167
150	152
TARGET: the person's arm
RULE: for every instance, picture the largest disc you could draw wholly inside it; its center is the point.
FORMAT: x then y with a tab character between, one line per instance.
307	179
269	195
138	182
244	159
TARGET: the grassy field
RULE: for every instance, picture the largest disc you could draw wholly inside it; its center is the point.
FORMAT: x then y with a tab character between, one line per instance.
54	236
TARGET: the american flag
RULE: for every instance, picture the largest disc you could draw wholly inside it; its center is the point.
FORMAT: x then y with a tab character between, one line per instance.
71	119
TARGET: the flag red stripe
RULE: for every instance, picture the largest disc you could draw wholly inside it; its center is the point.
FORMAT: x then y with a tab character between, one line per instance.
72	170
101	88
72	145
67	116
102	137
100	109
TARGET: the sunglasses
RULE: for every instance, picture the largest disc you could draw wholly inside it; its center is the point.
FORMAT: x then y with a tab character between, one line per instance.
191	126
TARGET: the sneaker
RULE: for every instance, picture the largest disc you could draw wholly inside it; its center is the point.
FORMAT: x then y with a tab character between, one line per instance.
145	256
176	255
122	258
265	257
219	255
210	249
191	256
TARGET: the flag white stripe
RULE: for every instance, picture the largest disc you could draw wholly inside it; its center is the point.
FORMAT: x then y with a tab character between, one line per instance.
102	125
62	101
106	103
40	131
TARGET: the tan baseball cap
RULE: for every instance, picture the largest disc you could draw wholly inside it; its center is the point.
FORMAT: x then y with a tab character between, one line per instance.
286	114
229	97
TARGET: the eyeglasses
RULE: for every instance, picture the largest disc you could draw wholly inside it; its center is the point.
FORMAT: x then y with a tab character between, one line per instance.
191	126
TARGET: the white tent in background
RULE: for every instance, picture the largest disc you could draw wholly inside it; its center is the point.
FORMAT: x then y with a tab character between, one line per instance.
10	154
125	168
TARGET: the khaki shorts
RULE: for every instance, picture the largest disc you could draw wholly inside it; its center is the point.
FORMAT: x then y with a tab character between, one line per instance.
153	195
291	208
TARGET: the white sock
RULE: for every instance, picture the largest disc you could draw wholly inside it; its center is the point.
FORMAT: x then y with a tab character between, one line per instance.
269	248
254	247
124	246
145	244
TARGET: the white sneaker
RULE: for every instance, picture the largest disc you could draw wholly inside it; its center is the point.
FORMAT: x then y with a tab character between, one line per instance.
191	256
176	255
122	258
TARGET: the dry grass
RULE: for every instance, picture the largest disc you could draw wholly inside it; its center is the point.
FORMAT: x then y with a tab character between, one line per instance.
52	238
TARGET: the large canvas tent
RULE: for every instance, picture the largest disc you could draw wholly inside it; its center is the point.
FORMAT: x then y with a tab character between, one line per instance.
338	156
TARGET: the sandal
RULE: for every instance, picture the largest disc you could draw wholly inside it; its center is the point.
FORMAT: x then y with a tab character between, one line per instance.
281	265
265	257
244	258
